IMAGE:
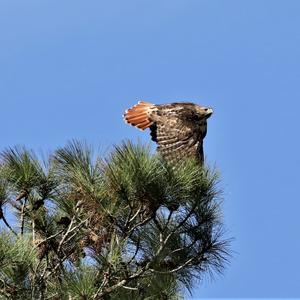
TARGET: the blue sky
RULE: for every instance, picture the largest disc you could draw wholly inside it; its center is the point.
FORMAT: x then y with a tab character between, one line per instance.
68	69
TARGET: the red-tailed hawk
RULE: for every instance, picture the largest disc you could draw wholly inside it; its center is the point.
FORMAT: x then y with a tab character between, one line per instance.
177	128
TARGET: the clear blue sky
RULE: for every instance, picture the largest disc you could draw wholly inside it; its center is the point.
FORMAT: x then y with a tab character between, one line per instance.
68	69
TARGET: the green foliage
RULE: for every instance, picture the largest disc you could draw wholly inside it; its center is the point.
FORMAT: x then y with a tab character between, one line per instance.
127	226
17	261
76	283
23	168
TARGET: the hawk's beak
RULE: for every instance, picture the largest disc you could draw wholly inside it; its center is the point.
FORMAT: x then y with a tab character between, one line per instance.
208	112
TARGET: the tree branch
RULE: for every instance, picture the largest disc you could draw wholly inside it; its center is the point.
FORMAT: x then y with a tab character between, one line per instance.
49	238
7	224
22	219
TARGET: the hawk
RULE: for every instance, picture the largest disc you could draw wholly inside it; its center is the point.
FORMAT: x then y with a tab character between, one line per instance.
177	128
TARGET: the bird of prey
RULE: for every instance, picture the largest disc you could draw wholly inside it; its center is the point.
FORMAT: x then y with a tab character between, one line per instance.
177	128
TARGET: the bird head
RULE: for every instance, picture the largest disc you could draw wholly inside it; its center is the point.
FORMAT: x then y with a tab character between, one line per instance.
204	112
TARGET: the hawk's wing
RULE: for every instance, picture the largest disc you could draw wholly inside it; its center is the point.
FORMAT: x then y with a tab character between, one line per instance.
177	139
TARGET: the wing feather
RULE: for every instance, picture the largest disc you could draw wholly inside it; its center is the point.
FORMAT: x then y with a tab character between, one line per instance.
139	115
177	140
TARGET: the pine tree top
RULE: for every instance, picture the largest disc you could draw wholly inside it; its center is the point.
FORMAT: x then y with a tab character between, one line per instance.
125	226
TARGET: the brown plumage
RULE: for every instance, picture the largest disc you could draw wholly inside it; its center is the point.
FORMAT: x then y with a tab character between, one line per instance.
177	128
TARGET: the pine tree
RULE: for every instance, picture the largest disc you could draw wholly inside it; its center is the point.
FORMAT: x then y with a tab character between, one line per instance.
128	226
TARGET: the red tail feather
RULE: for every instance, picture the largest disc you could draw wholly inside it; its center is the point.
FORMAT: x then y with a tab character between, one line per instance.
139	115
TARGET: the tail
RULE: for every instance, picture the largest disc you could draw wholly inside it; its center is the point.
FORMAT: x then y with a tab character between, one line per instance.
139	115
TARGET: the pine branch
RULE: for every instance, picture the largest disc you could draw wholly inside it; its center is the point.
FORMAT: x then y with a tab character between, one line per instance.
70	229
49	238
22	219
121	283
7	224
143	222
